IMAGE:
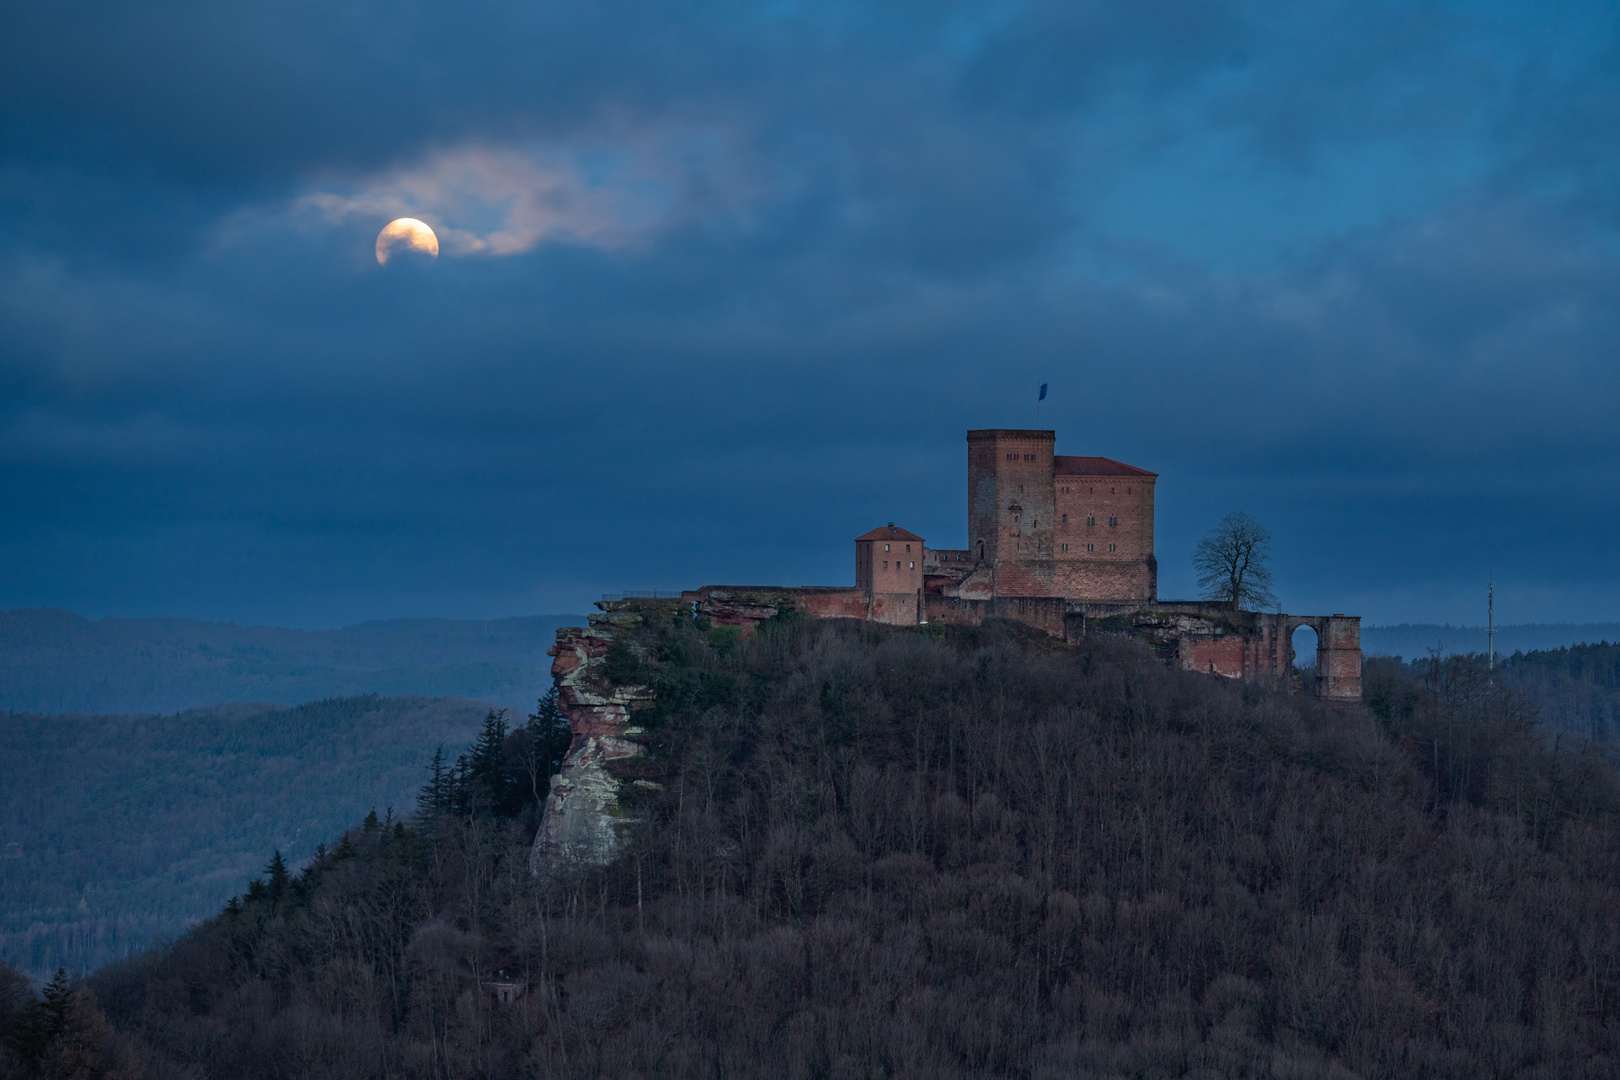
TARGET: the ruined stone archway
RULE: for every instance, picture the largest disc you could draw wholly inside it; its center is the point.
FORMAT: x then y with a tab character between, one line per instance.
1338	653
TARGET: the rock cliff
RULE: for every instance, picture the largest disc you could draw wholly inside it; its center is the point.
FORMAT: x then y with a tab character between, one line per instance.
583	815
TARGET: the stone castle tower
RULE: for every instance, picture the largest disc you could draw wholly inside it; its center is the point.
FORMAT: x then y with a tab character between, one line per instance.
1040	524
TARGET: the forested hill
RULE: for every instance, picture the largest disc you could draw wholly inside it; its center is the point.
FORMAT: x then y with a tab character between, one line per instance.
1417	640
1577	689
863	851
54	661
116	831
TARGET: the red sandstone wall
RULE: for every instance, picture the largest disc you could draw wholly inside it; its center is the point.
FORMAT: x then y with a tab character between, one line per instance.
1010	468
1104	580
889	566
833	603
1225	655
1085	541
896	609
1043	612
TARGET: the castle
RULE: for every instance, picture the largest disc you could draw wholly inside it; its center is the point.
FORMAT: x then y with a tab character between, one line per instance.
1063	544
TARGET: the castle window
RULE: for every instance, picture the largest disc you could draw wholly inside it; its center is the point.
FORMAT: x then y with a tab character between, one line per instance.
1112	522
885	547
1065	519
1110	547
1091	519
913	566
1088	547
908	547
1112	491
885	564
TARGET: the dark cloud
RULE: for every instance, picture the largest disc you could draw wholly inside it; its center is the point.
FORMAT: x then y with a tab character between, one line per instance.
1352	268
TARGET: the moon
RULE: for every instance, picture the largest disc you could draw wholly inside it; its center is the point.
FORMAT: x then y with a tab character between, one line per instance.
406	236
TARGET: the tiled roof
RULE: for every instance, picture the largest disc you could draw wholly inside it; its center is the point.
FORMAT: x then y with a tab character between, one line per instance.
890	532
1064	465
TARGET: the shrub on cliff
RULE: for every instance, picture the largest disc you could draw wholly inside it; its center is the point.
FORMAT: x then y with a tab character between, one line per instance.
861	851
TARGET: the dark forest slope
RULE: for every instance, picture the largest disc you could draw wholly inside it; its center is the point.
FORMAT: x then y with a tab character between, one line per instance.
875	852
54	661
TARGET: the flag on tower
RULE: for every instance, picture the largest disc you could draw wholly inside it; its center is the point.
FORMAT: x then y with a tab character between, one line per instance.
1043	393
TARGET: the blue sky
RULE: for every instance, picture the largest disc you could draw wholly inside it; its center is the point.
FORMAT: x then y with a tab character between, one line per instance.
724	284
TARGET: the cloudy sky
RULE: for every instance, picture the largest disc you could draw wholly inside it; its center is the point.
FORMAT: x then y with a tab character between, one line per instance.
723	284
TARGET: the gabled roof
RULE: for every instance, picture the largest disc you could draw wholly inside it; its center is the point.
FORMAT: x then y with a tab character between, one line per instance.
1064	465
890	532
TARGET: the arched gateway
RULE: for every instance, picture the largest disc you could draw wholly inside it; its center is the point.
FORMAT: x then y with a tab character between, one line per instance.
1338	654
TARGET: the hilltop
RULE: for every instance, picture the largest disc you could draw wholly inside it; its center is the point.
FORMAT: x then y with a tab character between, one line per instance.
853	850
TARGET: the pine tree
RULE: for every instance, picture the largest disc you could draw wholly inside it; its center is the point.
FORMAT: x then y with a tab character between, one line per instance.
483	767
276	869
551	734
39	1024
55	998
80	1048
434	797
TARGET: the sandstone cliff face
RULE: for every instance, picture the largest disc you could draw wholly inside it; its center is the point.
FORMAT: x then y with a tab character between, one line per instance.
583	815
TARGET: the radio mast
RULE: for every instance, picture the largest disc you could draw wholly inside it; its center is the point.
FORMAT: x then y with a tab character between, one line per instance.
1490	623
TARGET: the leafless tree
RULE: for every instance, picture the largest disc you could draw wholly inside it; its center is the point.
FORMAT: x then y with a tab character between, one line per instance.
1231	562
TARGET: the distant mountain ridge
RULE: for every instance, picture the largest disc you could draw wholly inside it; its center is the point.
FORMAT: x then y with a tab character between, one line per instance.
54	661
1414	640
116	831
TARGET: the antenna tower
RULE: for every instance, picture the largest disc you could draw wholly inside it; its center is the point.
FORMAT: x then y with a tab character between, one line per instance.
1490	623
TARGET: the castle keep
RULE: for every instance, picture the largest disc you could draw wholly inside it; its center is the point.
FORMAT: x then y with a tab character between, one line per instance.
1061	543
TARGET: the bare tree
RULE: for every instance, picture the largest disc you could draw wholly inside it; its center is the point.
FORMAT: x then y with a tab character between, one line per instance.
1231	562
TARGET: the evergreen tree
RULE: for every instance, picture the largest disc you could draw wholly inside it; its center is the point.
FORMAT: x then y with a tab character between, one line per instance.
489	754
40	1021
276	869
434	797
80	1049
548	727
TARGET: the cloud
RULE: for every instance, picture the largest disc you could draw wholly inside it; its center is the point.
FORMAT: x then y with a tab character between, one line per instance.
731	265
496	201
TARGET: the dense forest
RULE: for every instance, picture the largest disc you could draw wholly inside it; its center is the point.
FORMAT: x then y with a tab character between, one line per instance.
116	831
859	851
54	661
1419	639
1576	689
